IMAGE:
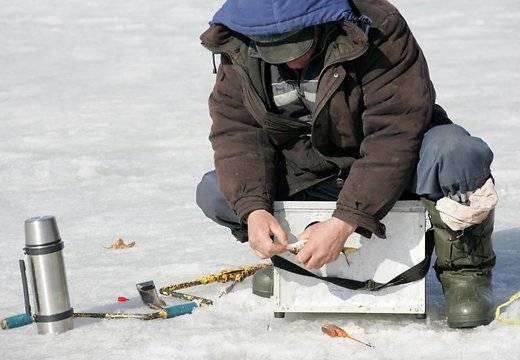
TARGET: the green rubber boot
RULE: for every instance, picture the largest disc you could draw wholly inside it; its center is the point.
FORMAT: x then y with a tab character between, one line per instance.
464	263
263	282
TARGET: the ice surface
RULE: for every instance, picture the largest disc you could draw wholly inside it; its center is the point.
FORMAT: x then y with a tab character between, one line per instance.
104	124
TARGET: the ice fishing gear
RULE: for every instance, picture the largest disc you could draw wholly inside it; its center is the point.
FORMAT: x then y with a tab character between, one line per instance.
149	295
227	289
164	313
150	298
44	259
416	272
15	321
335	331
223	276
188	297
498	312
118	315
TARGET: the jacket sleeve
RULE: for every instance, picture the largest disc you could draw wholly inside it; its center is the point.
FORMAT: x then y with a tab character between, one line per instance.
398	100
244	157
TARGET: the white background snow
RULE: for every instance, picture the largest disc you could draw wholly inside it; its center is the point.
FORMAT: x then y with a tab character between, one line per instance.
104	124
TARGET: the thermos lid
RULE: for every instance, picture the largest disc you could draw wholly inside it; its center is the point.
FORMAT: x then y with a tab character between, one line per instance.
41	230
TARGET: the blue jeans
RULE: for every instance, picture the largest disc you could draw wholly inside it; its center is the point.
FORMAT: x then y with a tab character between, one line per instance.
450	161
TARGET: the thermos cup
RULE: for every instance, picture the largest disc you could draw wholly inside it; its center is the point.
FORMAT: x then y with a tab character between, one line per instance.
44	262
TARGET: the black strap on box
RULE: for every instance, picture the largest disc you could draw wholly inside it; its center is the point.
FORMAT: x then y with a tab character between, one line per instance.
414	273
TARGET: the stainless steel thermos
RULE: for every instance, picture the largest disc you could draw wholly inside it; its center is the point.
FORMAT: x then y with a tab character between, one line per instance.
48	285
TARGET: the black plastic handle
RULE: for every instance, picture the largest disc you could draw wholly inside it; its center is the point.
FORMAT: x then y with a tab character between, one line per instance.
25	288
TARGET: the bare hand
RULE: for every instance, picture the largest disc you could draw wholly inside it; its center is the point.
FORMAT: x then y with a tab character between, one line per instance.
325	241
261	226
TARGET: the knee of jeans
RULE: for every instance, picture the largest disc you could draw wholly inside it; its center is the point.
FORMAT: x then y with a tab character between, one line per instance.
207	194
451	144
470	152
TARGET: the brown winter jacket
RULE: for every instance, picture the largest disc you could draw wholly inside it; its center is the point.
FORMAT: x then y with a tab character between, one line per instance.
374	102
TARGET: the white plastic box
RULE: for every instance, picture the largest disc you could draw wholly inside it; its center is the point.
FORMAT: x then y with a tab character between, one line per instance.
377	259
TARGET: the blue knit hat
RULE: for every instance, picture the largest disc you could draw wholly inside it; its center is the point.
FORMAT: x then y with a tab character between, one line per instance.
282	30
268	17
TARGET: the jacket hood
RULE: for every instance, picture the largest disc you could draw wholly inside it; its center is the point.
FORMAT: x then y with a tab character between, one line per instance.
269	17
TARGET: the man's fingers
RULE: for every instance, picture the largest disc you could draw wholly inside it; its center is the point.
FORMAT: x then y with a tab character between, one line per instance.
313	258
265	248
277	249
261	243
304	255
273	249
315	262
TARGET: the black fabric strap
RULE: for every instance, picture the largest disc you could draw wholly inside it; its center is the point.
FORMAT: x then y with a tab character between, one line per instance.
415	273
29	250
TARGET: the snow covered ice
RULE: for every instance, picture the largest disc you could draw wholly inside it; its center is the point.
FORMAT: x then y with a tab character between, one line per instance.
104	124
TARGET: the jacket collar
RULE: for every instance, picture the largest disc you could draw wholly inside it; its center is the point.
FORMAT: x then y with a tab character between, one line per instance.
350	43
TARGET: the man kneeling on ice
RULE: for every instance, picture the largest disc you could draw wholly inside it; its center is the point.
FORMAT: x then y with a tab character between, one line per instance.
332	100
